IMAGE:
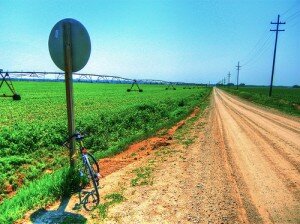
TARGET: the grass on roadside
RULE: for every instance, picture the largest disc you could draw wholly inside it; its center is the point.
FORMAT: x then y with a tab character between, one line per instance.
38	193
286	100
182	134
111	199
143	176
164	151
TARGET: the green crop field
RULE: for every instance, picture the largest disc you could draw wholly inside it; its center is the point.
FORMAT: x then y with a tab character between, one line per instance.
284	99
33	129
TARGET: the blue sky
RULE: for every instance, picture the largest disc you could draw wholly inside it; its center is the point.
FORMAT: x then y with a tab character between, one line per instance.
190	41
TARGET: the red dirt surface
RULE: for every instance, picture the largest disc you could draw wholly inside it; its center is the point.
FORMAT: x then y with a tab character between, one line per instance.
140	149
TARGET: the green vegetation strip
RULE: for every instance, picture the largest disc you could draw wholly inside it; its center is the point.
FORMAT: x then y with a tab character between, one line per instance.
111	199
30	139
143	176
39	192
286	100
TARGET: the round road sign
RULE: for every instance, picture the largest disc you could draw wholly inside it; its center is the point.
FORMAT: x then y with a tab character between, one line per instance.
80	44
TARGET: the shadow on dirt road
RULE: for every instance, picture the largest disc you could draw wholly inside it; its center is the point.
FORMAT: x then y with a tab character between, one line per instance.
57	216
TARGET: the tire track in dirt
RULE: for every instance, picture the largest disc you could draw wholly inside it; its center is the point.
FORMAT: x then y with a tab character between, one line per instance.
285	168
258	163
214	154
233	135
291	123
287	151
281	121
251	211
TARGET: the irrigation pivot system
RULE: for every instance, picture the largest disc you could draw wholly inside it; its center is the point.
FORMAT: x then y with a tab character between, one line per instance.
8	77
170	86
135	83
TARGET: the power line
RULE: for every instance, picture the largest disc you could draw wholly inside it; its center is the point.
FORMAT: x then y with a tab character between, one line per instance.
267	44
261	49
289	9
290	25
290	15
293	16
262	37
290	20
260	54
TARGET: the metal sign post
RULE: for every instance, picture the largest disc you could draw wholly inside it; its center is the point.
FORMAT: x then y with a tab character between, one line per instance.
70	49
69	87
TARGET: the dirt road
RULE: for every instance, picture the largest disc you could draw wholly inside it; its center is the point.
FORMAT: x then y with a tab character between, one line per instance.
263	151
241	166
236	163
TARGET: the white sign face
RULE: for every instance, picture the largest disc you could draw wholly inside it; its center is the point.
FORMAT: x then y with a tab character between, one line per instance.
80	45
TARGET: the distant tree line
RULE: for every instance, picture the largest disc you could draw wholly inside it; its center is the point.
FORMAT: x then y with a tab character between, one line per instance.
243	84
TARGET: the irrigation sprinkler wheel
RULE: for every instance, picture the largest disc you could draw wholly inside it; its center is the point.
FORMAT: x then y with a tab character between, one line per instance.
16	97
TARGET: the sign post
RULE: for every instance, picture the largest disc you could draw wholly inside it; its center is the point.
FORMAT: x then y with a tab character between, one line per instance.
69	87
70	48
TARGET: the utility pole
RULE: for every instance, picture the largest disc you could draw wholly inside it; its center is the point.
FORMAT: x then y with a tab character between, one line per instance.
229	78
274	55
238	67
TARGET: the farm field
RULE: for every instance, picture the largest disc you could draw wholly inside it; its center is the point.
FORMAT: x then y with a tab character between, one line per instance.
284	99
33	129
234	162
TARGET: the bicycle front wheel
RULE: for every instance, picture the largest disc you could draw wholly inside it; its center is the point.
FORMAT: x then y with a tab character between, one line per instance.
93	198
90	185
93	163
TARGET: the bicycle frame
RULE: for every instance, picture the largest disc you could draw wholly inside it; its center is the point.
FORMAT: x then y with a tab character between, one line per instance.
91	169
84	155
83	150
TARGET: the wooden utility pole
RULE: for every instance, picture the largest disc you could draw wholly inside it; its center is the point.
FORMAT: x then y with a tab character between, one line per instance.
238	67
274	55
69	87
228	78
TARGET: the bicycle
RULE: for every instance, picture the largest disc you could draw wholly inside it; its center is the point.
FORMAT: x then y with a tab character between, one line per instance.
89	174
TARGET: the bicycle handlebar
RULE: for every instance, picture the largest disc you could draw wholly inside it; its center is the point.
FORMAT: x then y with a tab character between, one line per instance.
77	137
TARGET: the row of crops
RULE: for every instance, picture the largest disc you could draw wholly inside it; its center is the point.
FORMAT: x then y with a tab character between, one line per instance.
33	129
283	98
